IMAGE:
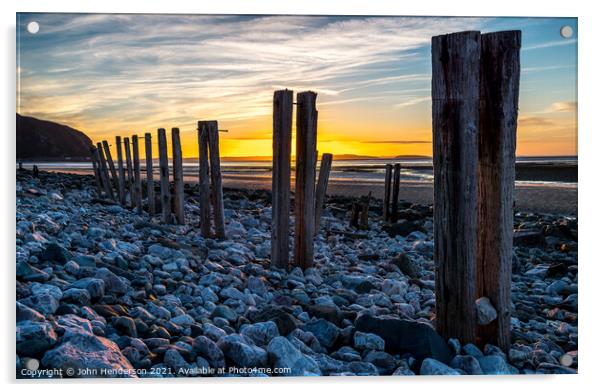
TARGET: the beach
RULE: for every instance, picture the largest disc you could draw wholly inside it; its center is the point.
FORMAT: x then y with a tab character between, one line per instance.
160	300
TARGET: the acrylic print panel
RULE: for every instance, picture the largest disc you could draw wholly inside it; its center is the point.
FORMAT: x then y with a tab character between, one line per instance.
295	196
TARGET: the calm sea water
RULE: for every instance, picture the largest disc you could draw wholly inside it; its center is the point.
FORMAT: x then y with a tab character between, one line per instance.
366	170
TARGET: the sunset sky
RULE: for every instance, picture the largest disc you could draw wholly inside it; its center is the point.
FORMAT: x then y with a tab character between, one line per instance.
110	75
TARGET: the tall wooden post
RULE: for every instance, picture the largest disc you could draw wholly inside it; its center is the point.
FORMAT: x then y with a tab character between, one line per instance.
455	112
204	187
109	159
137	176
394	213
150	181
500	72
164	175
321	187
282	124
95	168
130	167
122	189
305	179
216	181
387	196
104	172
178	175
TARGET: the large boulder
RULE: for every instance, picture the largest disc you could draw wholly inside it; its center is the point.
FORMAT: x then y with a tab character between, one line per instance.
89	352
34	338
405	336
282	354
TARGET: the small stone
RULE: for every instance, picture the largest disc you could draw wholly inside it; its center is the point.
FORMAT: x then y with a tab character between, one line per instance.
76	296
470	365
326	332
126	325
368	341
432	367
113	283
34	338
183	320
225	312
486	313
210	351
494	364
241	352
260	333
55	252
94	286
282	354
43	303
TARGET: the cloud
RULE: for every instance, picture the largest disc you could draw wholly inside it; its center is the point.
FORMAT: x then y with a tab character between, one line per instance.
412	101
562	107
551	44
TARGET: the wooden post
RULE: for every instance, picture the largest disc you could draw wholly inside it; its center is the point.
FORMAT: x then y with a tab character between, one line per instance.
365	209
104	172
137	177
122	189
178	175
130	167
500	71
109	159
36	171
387	196
20	165
305	179
281	176
321	187
355	214
204	187
95	168
164	174
216	181
150	181
394	203
455	114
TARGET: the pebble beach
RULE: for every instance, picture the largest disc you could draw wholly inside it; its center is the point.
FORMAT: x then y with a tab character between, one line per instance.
104	292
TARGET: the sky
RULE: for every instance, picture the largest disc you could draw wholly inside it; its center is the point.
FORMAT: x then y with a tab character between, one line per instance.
116	74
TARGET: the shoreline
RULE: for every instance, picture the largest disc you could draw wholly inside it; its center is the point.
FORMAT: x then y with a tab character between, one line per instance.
540	198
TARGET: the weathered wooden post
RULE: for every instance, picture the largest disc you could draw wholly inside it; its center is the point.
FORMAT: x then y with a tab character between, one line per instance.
500	72
455	113
394	213
364	210
281	176
104	172
20	167
204	187
178	175
95	168
216	180
137	176
130	167
109	159
321	187
387	196
150	181
305	179
164	175
122	189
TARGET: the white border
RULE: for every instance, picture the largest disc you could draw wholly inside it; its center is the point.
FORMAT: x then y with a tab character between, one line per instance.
589	190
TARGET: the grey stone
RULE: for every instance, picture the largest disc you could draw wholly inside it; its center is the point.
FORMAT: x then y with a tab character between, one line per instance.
282	354
241	352
466	363
494	364
325	331
368	341
486	313
432	367
210	351
94	286
113	283
34	337
260	333
76	296
43	303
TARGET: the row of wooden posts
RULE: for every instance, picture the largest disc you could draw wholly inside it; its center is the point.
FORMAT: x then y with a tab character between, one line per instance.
124	179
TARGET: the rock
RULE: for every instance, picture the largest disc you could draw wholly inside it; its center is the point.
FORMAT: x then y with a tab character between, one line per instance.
86	351
26	313
76	296
241	353
529	238
403	336
43	303
94	286
282	354
556	287
126	325
225	312
174	360
494	364
360	368
486	313
384	362
284	320
260	333
540	271
432	367
113	283
325	331
183	320
368	341
256	286
85	261
406	265
55	252
466	363
34	338
210	351
402	228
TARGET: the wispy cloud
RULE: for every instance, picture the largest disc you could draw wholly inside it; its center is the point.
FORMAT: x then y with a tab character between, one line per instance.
562	107
551	44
